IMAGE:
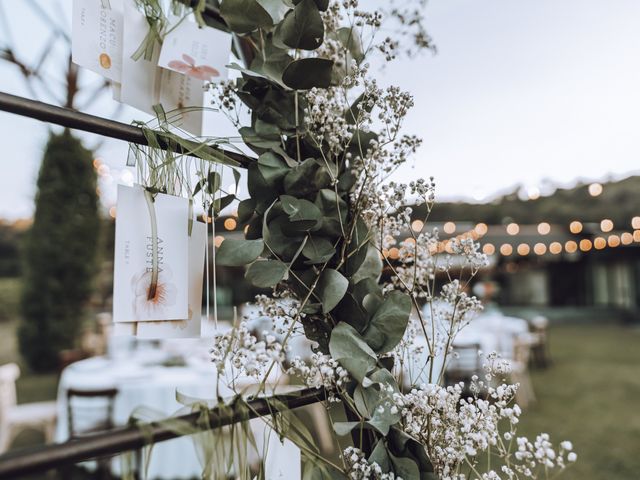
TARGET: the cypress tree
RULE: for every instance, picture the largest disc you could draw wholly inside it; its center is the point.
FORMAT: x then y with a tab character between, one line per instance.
60	252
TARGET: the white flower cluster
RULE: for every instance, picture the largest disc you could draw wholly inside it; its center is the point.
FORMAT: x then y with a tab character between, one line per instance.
281	308
456	429
359	468
242	351
321	371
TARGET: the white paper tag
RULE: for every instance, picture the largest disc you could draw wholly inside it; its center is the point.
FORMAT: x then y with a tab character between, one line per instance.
283	461
96	37
144	84
190	327
133	257
140	78
201	53
179	92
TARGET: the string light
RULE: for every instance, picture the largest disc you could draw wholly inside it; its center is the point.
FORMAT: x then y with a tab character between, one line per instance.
636	236
555	248
394	253
571	246
595	189
506	249
585	244
613	241
599	243
626	238
544	228
417	225
523	249
606	225
513	229
540	248
449	227
575	227
217	241
230	224
635	223
488	249
112	212
482	229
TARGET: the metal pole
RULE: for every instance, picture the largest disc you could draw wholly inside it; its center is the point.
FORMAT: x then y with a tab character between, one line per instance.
120	440
66	117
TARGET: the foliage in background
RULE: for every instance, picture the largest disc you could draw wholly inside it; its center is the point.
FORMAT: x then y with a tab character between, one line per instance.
59	253
11	236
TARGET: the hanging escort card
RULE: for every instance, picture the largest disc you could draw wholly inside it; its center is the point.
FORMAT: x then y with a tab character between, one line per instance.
189	327
283	460
151	257
140	77
144	84
97	36
200	53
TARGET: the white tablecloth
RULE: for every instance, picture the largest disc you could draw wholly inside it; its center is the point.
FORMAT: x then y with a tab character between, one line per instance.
150	386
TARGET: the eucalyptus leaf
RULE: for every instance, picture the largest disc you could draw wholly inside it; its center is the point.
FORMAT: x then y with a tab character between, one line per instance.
302	28
318	250
245	16
276	8
350	39
307	177
236	253
283	242
307	73
349	349
344	428
245	209
303	213
321	4
266	273
380	455
272	167
371	266
213	182
388	324
331	288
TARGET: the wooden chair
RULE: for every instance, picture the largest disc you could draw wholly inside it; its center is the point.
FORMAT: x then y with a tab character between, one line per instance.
540	350
16	418
520	372
90	411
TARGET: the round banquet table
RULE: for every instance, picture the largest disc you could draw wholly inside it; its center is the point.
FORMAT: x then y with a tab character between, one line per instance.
142	381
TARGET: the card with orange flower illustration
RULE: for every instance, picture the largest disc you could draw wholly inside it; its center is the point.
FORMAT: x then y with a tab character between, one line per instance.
136	298
144	84
96	36
190	327
199	53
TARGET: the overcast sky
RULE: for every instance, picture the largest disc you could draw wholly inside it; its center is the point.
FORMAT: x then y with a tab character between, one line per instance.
520	91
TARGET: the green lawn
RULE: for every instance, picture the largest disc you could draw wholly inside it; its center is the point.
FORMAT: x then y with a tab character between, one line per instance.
591	396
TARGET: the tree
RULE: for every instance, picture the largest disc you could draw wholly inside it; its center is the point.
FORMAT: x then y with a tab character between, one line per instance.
60	252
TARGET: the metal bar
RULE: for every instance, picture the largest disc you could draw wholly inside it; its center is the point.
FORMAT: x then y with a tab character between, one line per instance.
113	442
66	117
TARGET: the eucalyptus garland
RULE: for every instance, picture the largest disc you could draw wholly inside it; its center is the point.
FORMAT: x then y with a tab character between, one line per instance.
321	220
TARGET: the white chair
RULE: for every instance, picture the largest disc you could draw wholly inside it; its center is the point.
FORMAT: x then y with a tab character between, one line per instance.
525	394
15	418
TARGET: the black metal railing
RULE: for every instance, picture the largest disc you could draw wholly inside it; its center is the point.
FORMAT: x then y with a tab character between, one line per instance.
75	120
41	459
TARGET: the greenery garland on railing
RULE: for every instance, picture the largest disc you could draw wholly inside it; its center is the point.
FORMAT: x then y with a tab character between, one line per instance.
321	217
